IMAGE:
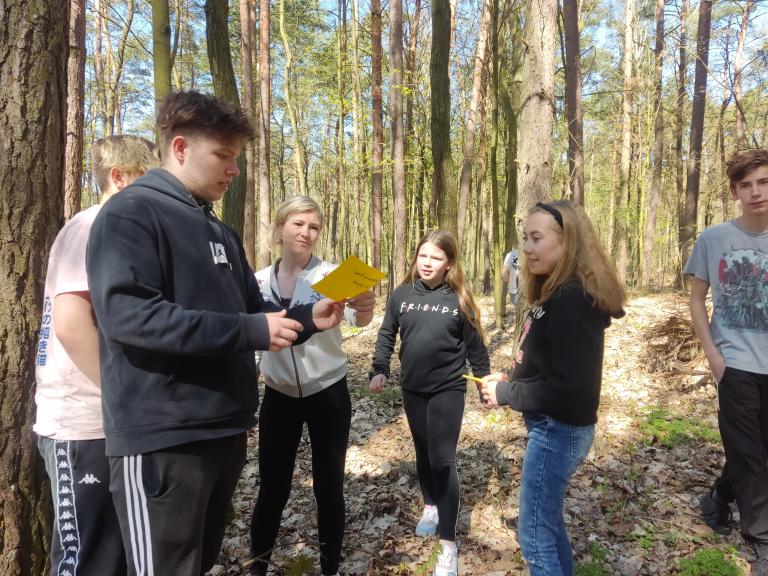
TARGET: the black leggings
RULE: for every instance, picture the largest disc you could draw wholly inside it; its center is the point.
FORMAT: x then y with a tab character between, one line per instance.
281	421
435	422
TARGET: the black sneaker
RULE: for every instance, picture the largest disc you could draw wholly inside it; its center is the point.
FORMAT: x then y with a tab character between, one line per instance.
716	513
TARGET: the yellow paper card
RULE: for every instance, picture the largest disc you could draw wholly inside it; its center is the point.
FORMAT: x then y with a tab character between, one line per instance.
351	278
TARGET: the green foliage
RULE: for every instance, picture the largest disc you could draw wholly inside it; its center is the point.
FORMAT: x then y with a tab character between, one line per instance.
389	395
302	566
594	567
670	431
709	562
347	330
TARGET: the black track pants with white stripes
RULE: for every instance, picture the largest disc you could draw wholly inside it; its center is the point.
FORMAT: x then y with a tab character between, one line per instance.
172	504
85	538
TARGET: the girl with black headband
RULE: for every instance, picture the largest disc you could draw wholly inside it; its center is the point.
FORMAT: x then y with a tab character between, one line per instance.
573	291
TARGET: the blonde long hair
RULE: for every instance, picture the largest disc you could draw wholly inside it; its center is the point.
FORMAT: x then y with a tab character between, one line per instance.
583	259
454	277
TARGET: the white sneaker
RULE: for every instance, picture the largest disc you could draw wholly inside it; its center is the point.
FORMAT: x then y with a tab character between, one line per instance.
427	525
448	562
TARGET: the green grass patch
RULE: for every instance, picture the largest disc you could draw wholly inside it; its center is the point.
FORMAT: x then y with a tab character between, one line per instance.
392	393
596	565
670	431
347	330
709	562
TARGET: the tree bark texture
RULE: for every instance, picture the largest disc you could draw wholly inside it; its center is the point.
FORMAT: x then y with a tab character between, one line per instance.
161	50
697	128
497	238
225	87
621	215
73	155
573	106
265	109
465	180
658	148
33	77
444	197
400	223
682	65
247	49
537	103
377	153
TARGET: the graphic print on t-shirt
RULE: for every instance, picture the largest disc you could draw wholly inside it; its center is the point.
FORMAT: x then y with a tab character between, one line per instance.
743	276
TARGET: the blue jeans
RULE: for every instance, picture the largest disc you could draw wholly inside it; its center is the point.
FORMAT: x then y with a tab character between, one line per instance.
553	453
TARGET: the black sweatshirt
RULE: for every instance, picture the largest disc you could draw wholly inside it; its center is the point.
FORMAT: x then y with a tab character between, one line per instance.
435	340
559	365
180	314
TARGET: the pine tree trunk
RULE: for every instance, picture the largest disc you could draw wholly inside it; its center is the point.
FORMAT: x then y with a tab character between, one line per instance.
573	100
161	50
265	109
377	155
496	237
247	48
73	163
225	87
359	136
465	180
658	148
444	200
33	123
688	231
537	103
398	145
620	252
679	164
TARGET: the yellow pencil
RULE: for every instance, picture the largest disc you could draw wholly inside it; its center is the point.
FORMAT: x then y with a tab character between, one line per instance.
468	377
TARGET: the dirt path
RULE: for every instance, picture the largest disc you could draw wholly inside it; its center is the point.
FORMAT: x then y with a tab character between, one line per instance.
631	509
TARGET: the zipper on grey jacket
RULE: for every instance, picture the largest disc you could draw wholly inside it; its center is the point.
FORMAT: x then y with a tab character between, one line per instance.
296	370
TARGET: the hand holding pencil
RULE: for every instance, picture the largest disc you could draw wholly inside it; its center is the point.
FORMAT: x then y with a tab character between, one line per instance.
487	387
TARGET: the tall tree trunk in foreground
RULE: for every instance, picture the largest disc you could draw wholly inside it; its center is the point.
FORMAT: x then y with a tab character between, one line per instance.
32	122
444	201
537	99
73	156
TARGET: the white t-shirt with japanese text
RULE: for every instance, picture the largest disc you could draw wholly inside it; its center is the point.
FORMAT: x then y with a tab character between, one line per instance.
68	403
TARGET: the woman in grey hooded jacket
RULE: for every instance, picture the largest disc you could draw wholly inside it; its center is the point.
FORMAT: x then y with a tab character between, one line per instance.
304	384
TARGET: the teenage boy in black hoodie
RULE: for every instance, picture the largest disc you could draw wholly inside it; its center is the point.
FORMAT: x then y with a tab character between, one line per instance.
180	315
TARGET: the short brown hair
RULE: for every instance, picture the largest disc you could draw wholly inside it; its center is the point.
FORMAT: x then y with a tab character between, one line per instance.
126	153
190	113
744	162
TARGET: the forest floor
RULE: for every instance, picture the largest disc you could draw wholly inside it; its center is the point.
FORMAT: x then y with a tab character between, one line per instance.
632	506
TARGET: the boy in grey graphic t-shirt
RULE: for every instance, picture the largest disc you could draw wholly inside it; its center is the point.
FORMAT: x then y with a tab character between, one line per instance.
732	259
